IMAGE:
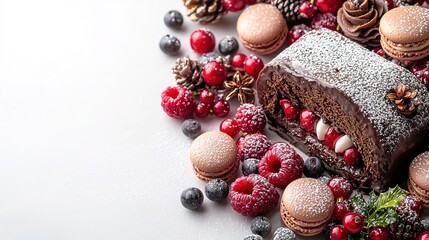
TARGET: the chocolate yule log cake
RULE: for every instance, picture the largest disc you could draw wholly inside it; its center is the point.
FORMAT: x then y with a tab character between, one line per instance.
363	115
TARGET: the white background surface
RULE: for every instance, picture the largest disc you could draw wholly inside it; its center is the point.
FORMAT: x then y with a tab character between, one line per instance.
86	151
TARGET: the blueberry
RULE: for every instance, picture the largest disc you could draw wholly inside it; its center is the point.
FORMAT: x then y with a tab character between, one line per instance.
283	233
261	226
208	57
192	198
169	44
216	190
191	128
173	19
425	223
253	237
250	166
228	45
313	167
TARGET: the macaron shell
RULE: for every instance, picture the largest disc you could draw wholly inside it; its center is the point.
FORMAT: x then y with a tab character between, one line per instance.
418	192
303	231
260	24
419	171
403	55
265	49
227	175
308	200
213	152
405	24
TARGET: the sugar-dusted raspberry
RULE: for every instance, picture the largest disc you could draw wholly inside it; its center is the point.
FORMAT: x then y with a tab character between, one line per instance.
250	118
281	165
178	102
324	20
252	146
253	195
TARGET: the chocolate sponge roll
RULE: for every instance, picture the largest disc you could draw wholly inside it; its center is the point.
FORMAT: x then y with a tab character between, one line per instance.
347	86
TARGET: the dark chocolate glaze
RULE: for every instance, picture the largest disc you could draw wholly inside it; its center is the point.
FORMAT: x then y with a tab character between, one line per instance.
346	85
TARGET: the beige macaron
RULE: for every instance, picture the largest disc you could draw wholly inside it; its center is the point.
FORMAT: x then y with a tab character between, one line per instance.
214	155
405	33
418	181
262	28
307	205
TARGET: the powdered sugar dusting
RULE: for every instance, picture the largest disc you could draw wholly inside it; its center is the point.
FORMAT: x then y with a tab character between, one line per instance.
365	77
414	20
309	198
420	167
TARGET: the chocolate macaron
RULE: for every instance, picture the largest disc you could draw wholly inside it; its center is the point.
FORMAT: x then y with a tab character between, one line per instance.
262	28
307	205
214	155
405	33
418	181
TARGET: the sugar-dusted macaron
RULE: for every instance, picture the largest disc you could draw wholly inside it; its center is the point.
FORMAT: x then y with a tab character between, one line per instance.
262	28
405	33
306	206
214	155
418	181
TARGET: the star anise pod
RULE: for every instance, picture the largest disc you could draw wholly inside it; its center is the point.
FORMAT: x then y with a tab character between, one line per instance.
240	86
404	99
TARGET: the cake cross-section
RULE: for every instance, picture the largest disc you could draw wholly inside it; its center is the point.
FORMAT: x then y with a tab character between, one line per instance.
363	115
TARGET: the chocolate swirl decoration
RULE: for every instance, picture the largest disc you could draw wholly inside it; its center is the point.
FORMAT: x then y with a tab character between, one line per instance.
359	20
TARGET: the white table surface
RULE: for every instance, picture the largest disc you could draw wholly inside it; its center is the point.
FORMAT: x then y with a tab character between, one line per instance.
86	151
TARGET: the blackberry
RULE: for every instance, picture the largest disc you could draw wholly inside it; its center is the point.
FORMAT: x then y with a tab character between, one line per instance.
216	190
261	226
407	227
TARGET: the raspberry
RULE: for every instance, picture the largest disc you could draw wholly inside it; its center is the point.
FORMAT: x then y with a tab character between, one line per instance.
281	165
250	118
296	32
252	146
178	102
325	20
253	195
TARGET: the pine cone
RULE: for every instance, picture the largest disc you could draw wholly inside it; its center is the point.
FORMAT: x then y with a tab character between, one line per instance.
204	11
289	9
405	99
408	226
188	73
359	20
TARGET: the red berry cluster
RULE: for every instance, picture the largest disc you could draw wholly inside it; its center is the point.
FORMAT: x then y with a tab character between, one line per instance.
318	20
209	104
251	65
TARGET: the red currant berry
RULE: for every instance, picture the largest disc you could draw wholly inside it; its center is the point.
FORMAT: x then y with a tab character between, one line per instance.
421	70
308	120
253	65
329	6
338	233
352	156
379	51
353	222
202	110
390	4
413	203
326	20
331	137
214	73
378	234
221	108
234	5
424	235
340	187
238	60
291	111
306	9
202	41
296	32
341	209
230	127
207	96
